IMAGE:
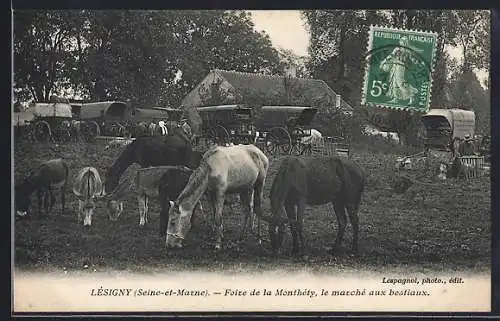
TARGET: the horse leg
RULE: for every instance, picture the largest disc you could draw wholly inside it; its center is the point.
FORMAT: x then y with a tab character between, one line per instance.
63	198
352	210
341	220
300	221
257	195
39	195
80	211
46	201
52	199
219	206
146	208
142	210
245	200
292	221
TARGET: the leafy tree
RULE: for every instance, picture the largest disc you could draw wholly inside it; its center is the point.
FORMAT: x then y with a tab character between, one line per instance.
41	43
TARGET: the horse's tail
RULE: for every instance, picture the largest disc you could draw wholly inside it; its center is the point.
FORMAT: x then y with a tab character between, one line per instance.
348	192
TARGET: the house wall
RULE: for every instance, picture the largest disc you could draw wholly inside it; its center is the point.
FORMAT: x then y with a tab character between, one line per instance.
194	98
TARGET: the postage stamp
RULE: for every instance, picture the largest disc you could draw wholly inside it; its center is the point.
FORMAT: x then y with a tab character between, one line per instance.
399	67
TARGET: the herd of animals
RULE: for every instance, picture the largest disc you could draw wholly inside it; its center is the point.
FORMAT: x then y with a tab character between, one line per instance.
180	177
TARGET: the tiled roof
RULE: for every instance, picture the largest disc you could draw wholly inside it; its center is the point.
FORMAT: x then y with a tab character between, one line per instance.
271	87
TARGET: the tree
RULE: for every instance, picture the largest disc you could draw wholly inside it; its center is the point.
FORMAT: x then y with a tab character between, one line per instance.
41	43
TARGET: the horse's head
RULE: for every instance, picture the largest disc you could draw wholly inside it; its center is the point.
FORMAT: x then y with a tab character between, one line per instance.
115	209
276	228
88	211
179	223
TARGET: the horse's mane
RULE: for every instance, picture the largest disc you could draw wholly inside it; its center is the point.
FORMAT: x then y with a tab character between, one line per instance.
119	166
195	180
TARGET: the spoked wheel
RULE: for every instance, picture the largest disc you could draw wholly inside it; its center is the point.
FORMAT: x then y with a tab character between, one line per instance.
278	141
62	134
42	131
124	131
90	130
218	136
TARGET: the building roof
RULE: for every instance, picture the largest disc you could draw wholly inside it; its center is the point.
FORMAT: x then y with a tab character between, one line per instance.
265	88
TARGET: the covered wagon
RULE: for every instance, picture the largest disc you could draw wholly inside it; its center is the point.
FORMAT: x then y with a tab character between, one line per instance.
109	118
51	121
444	126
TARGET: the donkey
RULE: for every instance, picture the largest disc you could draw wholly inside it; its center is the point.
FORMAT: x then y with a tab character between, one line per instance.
87	186
49	176
223	170
314	181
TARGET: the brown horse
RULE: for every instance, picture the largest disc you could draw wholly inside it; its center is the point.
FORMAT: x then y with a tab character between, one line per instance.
314	181
238	169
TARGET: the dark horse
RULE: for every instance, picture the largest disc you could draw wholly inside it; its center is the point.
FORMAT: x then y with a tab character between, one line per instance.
52	174
148	151
314	181
171	185
152	151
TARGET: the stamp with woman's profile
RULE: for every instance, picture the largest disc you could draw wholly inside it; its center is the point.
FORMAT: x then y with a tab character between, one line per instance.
399	66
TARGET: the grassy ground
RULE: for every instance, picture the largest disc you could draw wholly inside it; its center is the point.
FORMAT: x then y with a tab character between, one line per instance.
450	231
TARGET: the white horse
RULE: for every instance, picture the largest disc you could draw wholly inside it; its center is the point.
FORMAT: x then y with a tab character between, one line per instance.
223	170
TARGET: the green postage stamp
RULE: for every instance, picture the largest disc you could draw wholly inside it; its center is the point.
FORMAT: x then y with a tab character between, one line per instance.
399	66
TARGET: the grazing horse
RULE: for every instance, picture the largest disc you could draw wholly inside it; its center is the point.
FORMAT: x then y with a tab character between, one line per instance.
50	175
151	151
147	151
314	181
169	188
223	170
145	186
87	186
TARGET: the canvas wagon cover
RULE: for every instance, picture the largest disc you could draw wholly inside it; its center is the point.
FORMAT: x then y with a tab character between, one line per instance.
52	110
22	118
283	115
109	109
461	121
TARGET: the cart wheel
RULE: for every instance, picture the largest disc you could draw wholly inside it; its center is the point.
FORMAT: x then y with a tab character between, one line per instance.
62	134
42	131
218	136
278	141
90	130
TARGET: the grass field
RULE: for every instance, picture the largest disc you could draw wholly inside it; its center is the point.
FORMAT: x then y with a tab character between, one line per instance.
450	231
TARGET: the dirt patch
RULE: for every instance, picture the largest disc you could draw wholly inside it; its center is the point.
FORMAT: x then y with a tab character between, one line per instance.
450	230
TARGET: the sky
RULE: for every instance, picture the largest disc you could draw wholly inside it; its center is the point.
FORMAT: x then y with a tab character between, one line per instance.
288	31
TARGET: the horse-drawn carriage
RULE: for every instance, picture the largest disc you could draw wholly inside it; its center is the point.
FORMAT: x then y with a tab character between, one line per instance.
226	124
453	130
278	129
281	128
50	121
107	118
